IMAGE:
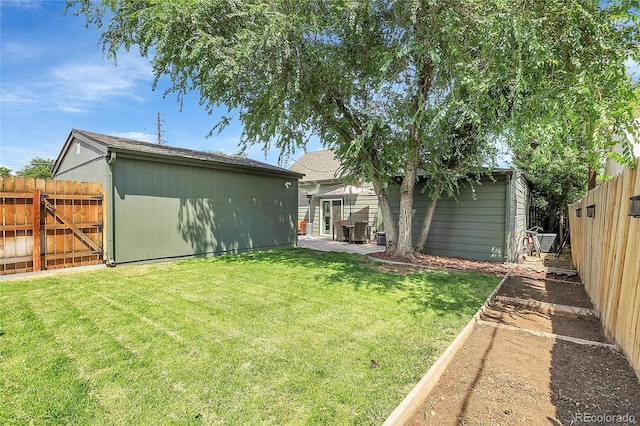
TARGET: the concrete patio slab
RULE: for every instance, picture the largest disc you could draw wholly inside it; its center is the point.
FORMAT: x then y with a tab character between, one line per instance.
327	244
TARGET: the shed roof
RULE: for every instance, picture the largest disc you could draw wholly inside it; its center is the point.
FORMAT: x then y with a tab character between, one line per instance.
318	165
170	153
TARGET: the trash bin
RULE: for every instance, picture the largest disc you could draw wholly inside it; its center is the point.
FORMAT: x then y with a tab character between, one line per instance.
547	242
381	239
309	228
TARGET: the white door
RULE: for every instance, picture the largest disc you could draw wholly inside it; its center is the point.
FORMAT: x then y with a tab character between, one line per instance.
331	211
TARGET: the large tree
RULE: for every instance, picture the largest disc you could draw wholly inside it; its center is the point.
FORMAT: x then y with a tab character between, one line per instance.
38	168
5	171
559	174
412	89
585	101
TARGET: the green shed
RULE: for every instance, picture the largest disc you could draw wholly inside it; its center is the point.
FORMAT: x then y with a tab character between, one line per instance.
482	223
166	202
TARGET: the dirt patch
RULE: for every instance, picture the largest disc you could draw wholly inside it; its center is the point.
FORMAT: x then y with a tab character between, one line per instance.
562	261
503	377
582	328
548	291
511	376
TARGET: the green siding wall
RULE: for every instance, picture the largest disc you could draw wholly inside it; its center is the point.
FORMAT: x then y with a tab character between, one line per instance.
469	228
519	213
95	171
166	210
87	164
521	201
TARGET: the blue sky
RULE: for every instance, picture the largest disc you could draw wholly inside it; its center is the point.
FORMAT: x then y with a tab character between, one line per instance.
54	78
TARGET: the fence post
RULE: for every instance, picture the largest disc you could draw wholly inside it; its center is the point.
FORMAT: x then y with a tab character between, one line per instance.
36	232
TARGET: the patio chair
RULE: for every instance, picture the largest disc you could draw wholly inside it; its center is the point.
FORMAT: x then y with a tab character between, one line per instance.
360	232
338	231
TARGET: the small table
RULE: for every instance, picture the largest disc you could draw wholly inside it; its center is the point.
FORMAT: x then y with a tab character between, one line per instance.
348	232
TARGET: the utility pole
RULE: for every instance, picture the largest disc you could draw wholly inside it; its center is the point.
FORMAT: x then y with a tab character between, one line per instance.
159	130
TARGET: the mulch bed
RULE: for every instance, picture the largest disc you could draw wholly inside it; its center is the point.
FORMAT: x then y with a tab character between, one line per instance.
485	267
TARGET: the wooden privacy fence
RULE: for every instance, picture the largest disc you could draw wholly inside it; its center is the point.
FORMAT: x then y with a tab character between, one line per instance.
49	224
605	244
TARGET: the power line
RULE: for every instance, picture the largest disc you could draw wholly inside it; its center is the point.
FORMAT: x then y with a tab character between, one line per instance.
24	163
157	129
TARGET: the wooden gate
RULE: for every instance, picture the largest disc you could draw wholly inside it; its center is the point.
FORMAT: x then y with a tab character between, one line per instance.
49	224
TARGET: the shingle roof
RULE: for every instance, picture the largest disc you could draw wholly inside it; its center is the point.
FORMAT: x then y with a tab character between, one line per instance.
129	145
317	165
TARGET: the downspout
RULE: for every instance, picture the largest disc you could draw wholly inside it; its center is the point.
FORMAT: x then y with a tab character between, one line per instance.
110	211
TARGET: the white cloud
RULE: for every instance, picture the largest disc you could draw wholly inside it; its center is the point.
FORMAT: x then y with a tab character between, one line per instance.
79	85
20	150
26	4
138	136
17	95
93	81
19	51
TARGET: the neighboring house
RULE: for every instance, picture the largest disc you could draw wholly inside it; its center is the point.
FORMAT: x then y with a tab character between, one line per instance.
324	197
483	223
613	168
167	202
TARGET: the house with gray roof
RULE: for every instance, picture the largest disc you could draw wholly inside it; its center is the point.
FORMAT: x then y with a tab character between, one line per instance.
169	202
481	223
325	197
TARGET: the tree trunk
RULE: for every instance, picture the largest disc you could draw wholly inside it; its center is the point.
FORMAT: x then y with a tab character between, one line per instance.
390	228
426	225
593	174
405	240
551	221
562	219
405	218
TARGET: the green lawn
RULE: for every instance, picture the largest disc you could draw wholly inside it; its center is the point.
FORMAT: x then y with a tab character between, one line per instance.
279	337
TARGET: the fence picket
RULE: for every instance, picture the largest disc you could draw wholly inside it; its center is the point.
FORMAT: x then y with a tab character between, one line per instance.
606	252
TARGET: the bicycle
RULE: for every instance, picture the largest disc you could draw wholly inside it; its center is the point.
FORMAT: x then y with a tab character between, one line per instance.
527	242
533	243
